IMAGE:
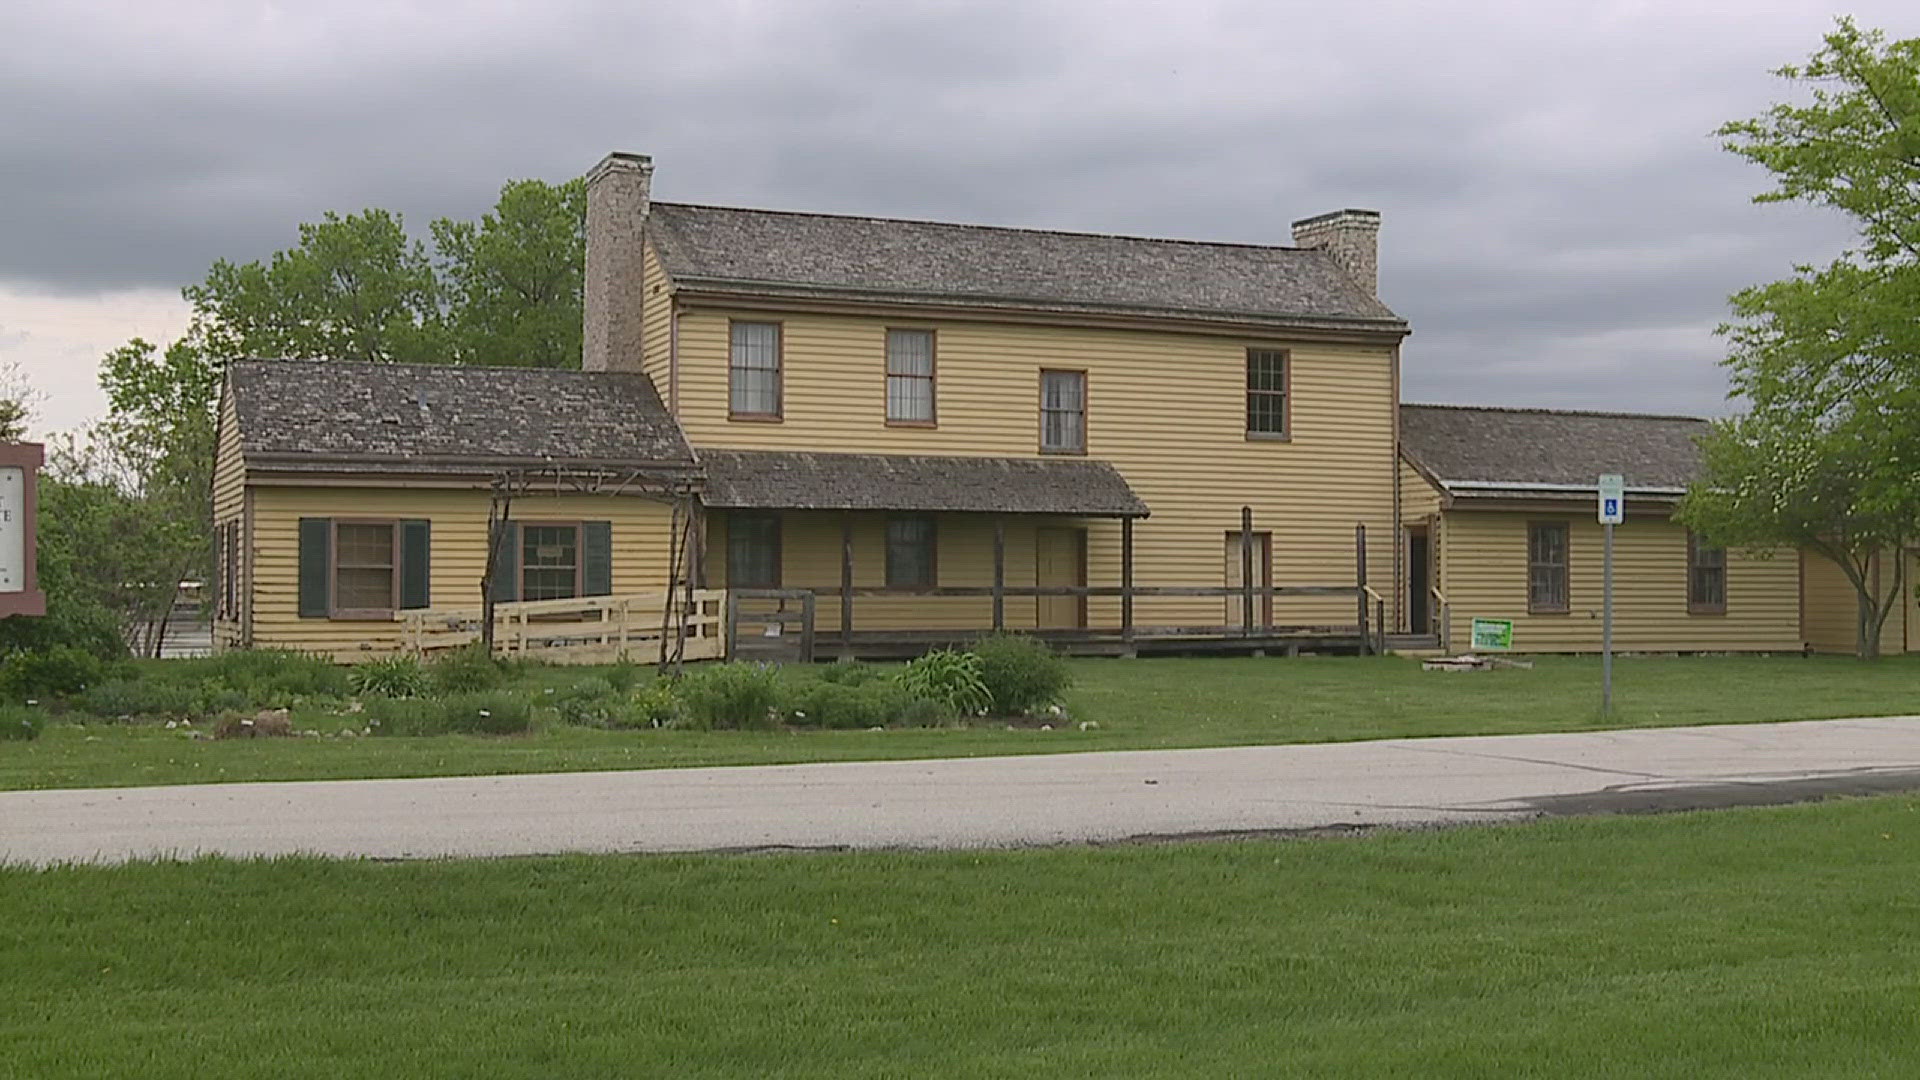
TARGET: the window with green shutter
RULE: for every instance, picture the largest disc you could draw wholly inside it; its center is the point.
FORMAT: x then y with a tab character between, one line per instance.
359	569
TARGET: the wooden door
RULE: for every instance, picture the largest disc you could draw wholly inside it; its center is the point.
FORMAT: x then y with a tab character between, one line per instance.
1060	558
1419	583
1262	577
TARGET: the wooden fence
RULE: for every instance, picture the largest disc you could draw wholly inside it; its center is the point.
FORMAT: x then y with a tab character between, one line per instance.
584	630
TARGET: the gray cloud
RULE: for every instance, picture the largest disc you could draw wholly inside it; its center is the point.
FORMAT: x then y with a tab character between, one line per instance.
1561	228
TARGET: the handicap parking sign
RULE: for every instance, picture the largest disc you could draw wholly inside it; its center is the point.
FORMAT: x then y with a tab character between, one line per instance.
1613	497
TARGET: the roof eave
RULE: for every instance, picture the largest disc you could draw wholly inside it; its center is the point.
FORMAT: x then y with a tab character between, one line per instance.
693	286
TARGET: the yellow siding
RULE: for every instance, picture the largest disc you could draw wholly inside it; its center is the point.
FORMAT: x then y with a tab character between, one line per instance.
1484	573
1167	409
810	558
1418	497
656	327
641	529
1830	608
229	501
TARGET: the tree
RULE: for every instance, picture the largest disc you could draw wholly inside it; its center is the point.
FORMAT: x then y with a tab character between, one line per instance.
1826	485
16	403
512	280
355	288
1829	359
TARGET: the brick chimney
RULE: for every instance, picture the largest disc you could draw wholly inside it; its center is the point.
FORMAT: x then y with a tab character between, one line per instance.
1352	237
619	193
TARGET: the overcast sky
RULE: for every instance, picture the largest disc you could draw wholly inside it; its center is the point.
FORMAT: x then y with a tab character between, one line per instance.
1560	226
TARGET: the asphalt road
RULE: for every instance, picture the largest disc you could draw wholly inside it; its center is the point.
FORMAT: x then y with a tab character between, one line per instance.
977	802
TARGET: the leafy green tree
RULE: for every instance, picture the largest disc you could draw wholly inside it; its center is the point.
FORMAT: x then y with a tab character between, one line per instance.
1829	359
512	280
355	288
1828	485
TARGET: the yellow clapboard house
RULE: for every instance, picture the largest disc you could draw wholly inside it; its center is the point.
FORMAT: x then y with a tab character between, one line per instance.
866	436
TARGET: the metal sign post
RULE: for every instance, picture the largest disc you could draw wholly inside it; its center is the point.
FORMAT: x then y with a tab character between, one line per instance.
1613	511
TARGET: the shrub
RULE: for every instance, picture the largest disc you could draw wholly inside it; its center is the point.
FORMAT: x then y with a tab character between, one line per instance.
406	716
466	670
656	705
399	675
593	701
731	695
949	678
19	723
1021	674
53	672
851	672
838	705
266	725
491	713
118	699
624	675
265	678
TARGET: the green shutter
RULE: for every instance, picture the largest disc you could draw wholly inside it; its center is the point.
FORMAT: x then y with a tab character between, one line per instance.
415	551
506	566
316	559
596	558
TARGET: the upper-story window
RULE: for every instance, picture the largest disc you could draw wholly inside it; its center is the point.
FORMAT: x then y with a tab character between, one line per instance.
753	371
1063	412
910	377
1266	392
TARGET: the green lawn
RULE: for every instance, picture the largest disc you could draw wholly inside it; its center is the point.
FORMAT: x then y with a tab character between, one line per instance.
1779	943
1137	704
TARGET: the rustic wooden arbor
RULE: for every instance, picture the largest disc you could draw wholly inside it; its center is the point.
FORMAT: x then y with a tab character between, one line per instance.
680	488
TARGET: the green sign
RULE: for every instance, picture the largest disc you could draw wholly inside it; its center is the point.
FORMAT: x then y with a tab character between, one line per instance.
1493	633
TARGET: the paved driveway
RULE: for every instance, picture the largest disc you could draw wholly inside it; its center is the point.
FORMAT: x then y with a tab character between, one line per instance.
977	802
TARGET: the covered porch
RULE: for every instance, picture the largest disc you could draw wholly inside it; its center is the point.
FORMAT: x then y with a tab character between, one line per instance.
873	556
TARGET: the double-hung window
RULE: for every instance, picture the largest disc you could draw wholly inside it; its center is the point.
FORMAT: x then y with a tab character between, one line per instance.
753	371
910	552
1266	393
1547	592
753	551
363	565
1063	412
910	377
549	562
1706	577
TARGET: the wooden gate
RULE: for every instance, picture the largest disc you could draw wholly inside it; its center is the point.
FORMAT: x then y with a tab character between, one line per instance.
770	625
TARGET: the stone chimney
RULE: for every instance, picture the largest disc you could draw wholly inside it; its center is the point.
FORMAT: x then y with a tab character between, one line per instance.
619	194
1352	237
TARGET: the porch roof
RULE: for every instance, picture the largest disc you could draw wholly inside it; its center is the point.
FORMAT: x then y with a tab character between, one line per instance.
793	480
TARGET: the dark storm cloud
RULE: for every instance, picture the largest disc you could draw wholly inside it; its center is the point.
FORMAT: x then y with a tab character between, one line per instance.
1561	228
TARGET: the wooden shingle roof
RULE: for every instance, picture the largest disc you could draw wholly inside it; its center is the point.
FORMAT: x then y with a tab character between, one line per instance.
833	257
1473	451
791	480
313	414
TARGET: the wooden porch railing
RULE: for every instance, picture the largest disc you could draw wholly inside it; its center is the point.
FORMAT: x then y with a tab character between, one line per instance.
583	630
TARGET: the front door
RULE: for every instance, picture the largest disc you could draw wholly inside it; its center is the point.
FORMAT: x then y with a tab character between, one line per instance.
1419	596
1060	559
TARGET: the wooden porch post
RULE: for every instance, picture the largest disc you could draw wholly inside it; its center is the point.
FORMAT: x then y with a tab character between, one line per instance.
1360	582
999	574
846	584
1246	570
1126	582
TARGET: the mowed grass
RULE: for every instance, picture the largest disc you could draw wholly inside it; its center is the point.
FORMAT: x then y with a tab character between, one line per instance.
1780	943
1136	704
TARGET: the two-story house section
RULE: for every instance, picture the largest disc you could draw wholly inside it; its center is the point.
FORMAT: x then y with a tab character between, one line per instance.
886	410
